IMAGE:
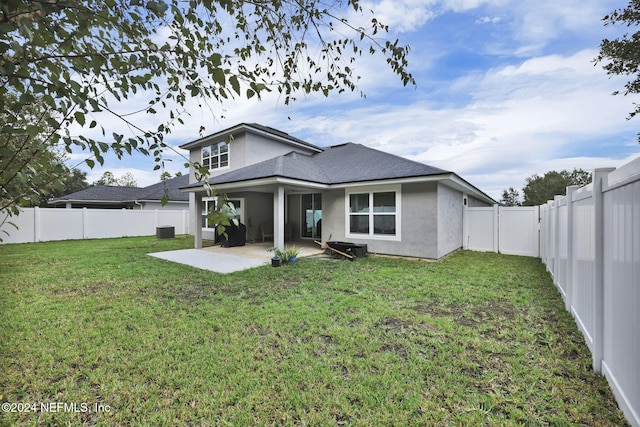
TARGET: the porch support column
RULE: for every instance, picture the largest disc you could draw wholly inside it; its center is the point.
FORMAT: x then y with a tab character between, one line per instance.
196	219
278	217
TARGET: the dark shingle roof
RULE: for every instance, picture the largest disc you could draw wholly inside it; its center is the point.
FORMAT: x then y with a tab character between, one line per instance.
173	185
108	193
103	193
292	165
355	163
339	164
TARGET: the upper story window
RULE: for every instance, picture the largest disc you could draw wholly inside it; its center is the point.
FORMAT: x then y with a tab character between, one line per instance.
215	156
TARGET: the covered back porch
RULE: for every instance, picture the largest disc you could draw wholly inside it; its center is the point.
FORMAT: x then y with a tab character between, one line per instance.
279	211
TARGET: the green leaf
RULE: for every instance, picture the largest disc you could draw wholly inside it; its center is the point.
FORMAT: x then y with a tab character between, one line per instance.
79	115
235	85
34	130
219	77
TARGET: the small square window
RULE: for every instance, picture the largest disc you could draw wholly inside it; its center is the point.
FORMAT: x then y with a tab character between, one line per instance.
384	202
384	224
359	203
359	224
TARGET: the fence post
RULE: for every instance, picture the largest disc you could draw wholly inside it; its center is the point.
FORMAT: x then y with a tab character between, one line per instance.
465	223
496	229
569	270
36	224
556	248
85	223
598	206
551	246
542	233
197	220
536	214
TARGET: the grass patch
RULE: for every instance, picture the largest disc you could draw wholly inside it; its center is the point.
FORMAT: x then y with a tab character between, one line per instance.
477	339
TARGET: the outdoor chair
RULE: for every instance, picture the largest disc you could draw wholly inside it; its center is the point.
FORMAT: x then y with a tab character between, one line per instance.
266	230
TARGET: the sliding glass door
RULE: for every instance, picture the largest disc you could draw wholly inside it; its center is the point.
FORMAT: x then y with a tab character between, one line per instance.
312	215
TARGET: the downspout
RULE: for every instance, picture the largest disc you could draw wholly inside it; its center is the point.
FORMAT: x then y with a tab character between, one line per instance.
139	204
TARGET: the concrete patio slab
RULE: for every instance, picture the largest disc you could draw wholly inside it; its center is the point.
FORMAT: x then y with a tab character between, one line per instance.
209	260
228	260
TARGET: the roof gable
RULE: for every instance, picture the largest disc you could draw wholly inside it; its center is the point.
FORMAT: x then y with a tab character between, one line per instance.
339	164
292	165
255	128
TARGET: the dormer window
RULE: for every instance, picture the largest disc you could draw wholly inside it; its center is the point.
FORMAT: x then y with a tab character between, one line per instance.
215	156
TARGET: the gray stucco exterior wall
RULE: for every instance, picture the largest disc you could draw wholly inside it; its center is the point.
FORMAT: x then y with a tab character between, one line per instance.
245	149
333	215
475	203
419	220
450	205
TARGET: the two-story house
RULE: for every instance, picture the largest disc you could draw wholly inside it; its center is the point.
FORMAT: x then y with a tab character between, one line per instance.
345	192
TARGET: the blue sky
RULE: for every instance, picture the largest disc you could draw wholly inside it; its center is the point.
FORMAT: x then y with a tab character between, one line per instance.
505	89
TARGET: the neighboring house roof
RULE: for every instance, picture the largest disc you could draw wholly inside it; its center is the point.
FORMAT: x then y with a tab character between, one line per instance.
172	186
256	129
108	194
339	164
103	193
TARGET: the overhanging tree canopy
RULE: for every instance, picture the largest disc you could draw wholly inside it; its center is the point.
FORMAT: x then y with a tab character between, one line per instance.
79	60
621	56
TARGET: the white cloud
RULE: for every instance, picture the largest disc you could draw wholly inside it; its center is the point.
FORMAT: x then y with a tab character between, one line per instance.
488	20
543	112
525	119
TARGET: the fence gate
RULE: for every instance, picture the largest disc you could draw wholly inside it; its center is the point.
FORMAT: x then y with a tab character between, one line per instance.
504	229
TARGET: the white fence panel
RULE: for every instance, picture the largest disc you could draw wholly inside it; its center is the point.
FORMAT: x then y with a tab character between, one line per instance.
582	300
482	229
181	223
621	334
48	224
145	223
507	230
518	230
24	233
56	224
591	246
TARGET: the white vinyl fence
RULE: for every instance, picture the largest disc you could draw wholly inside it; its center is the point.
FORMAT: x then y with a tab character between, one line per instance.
590	243
45	224
505	230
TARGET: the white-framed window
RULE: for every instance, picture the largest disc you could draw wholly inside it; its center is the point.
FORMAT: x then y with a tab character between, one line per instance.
215	156
373	213
210	203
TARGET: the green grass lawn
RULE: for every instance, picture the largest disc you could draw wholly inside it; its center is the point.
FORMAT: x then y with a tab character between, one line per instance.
476	339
